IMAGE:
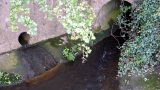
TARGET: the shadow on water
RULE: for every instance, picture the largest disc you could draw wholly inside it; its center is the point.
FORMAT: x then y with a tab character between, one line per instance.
98	73
93	75
38	58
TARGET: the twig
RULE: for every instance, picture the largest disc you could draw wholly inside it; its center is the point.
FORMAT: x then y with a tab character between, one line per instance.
114	35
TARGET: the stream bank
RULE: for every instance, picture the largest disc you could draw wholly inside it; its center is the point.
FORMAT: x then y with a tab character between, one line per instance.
98	73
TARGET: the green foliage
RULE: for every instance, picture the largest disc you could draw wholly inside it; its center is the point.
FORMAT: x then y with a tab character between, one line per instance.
77	17
70	55
46	9
19	12
18	9
28	22
138	53
9	78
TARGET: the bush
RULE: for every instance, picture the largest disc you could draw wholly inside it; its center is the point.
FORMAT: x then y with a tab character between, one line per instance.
9	78
20	13
138	53
76	17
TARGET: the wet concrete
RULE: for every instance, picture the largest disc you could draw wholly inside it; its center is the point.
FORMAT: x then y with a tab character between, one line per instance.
95	74
46	28
98	73
27	62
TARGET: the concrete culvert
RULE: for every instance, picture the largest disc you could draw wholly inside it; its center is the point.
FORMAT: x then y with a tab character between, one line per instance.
107	16
24	38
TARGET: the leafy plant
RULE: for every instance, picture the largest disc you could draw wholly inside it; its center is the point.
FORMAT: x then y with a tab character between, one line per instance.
19	12
70	55
46	9
77	17
9	78
18	7
27	22
137	54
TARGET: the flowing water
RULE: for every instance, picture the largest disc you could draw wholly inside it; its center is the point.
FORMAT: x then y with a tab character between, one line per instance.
98	73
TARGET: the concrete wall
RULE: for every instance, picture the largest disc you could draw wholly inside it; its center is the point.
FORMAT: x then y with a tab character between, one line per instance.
9	40
46	29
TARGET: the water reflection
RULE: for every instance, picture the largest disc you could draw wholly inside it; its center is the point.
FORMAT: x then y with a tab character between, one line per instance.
37	59
75	75
87	76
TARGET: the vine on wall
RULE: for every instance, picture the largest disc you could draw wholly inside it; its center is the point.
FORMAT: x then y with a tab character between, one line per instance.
76	17
8	78
138	53
19	13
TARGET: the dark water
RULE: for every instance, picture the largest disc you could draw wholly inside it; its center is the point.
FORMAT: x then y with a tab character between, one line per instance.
39	59
95	74
98	73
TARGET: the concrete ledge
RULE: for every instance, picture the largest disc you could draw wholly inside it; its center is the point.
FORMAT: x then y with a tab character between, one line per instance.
46	29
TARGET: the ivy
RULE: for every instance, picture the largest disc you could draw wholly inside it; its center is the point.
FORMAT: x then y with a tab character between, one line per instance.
77	17
9	78
16	7
70	55
19	12
27	22
138	53
46	9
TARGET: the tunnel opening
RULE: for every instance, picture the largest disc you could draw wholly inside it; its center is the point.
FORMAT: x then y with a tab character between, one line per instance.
119	34
24	39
